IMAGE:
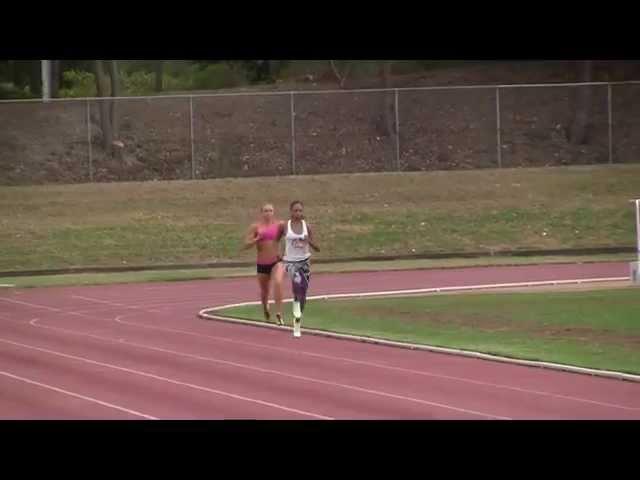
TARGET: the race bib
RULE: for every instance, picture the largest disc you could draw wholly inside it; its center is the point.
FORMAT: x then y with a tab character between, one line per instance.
299	242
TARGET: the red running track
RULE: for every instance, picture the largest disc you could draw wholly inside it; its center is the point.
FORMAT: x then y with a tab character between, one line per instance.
141	352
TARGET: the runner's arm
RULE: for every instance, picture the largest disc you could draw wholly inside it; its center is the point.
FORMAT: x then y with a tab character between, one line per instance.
312	243
251	238
282	231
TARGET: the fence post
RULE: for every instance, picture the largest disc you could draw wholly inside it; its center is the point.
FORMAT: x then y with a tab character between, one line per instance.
193	159
397	131
610	124
498	128
293	135
88	109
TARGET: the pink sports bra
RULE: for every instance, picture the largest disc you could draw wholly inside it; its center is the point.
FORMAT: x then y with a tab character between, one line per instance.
269	233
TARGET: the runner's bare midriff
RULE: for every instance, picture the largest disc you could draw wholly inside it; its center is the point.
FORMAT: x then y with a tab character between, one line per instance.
268	251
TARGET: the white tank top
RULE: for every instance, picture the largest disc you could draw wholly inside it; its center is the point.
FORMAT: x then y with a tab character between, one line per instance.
296	245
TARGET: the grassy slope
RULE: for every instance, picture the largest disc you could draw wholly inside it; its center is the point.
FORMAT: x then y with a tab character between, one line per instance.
368	214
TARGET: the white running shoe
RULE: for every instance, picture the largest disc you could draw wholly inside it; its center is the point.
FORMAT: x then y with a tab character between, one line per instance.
296	327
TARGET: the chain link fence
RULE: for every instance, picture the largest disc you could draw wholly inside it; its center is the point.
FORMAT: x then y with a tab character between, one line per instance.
316	132
448	129
625	142
41	143
538	126
238	136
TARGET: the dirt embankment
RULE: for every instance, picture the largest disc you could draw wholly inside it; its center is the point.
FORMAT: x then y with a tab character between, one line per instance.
340	132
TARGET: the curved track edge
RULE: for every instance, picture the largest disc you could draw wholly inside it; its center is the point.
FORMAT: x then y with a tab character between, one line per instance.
212	313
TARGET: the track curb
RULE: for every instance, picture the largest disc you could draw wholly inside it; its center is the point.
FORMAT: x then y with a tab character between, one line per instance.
210	313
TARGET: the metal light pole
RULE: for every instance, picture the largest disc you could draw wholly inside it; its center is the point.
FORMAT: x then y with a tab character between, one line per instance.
46	80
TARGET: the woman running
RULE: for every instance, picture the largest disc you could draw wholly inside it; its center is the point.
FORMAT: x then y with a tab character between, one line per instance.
265	235
298	238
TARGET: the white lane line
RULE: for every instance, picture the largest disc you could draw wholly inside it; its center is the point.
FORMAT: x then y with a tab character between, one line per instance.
381	366
450	351
386	293
51	309
195	300
77	395
328	296
416	372
80	313
33	305
399	368
280	373
430	348
145	306
113	304
166	379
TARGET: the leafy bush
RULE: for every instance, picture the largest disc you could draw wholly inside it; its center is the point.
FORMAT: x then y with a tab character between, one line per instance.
8	91
137	83
321	69
184	76
177	68
178	76
132	66
78	83
173	83
220	75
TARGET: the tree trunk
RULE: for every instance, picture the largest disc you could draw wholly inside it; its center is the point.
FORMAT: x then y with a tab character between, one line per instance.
273	68
159	75
11	72
388	101
55	78
579	128
117	145
114	73
263	70
105	121
341	77
35	78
